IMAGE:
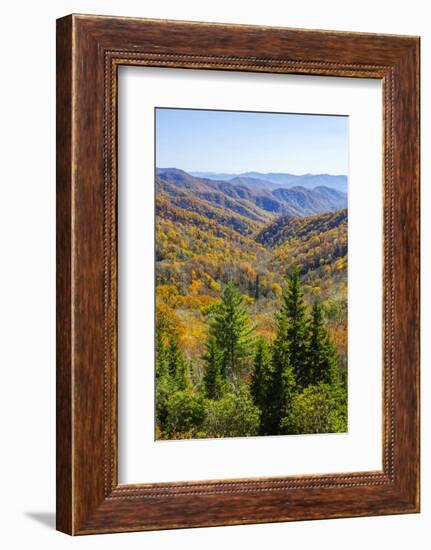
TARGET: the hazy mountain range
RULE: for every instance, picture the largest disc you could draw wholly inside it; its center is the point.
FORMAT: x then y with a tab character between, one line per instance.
272	180
245	199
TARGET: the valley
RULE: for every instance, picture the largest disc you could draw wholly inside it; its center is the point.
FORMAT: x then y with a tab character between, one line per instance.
210	232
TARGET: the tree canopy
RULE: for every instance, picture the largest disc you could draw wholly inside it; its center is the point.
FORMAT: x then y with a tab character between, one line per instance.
249	385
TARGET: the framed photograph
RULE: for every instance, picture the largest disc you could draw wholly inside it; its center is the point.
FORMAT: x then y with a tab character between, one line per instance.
237	274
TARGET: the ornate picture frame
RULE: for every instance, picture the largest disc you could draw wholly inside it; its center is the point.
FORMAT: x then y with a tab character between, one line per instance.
89	51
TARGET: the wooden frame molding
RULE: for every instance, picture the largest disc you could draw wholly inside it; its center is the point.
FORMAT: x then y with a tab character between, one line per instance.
89	51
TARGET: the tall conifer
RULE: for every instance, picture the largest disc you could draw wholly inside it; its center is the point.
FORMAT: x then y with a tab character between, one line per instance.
178	367
281	382
295	328
261	372
321	353
161	356
212	379
173	356
231	327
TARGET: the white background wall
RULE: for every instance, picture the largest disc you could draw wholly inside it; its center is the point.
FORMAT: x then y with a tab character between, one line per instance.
27	245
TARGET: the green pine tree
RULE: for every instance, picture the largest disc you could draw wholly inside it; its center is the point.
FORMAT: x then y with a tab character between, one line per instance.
261	372
183	379
212	379
161	356
177	365
164	383
294	328
173	357
289	392
230	326
281	382
321	353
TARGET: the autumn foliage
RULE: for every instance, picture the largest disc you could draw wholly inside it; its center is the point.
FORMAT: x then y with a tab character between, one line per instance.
251	319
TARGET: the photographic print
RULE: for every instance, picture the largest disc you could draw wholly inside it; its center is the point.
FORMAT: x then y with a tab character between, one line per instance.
251	273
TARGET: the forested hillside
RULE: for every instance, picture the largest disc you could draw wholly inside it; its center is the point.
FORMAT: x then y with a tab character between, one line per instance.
230	259
248	200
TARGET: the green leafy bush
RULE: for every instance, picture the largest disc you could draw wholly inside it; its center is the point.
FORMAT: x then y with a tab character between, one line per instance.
185	413
317	409
234	415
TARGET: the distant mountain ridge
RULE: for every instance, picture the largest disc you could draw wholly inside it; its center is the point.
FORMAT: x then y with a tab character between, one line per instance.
279	179
255	203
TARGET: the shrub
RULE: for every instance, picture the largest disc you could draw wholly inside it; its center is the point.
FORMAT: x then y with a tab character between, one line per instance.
185	413
234	415
317	409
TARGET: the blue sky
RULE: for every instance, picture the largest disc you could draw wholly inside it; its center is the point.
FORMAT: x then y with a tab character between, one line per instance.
235	141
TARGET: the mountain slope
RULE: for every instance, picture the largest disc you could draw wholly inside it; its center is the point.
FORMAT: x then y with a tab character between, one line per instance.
284	228
221	201
317	245
182	234
209	233
258	204
193	211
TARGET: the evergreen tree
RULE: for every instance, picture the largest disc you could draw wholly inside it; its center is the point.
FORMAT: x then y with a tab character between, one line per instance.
182	379
212	379
289	392
321	353
173	357
281	383
164	383
294	328
260	377
161	356
177	365
274	399
230	326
